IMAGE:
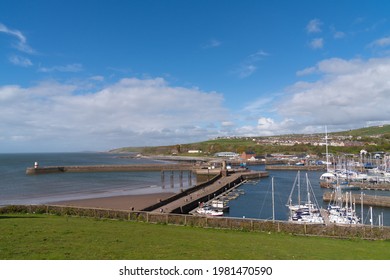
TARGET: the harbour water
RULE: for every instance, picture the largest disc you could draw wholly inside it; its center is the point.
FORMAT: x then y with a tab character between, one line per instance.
257	199
18	188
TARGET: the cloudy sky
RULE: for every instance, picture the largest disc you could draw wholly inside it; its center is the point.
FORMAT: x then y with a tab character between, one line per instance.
96	75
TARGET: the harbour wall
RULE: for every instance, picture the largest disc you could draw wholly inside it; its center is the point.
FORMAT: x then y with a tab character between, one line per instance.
295	167
108	168
362	186
369	200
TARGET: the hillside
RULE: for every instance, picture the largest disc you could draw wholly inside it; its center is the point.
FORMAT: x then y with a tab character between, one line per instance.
375	138
367	131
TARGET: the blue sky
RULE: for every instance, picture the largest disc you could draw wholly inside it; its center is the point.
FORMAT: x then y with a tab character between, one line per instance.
96	75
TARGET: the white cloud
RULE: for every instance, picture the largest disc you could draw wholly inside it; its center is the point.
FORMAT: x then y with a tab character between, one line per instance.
249	65
21	44
382	42
338	34
259	105
351	92
317	43
20	61
246	70
314	26
74	68
97	78
306	71
348	94
227	124
213	43
129	112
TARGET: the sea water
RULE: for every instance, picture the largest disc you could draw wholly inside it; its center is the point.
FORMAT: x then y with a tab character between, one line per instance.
18	188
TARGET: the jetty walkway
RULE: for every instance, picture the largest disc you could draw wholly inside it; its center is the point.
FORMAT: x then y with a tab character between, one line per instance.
370	200
295	167
361	186
110	168
186	201
192	199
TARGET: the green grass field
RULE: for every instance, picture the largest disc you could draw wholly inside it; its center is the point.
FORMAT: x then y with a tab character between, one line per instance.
57	237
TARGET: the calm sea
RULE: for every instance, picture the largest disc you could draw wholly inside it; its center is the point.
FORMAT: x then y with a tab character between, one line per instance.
18	188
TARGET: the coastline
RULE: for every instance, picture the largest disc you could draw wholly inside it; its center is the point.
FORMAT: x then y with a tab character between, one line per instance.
122	202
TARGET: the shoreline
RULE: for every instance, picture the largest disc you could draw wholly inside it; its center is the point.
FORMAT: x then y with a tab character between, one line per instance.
122	202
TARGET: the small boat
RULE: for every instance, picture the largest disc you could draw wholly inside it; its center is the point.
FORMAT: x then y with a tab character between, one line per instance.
208	210
328	177
220	204
340	213
304	211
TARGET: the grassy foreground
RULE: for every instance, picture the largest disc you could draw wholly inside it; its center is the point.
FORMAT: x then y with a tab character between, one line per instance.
55	237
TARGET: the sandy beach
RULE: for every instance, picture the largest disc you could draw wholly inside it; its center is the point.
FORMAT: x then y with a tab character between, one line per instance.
124	202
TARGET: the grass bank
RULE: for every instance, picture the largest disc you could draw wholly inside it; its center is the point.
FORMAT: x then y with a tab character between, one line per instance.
58	237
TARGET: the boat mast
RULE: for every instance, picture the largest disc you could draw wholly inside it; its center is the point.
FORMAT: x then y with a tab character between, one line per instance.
371	219
273	200
361	206
326	146
308	190
299	188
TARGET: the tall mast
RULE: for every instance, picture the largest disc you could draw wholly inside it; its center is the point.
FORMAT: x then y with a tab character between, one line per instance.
371	219
361	206
273	200
299	188
326	145
307	189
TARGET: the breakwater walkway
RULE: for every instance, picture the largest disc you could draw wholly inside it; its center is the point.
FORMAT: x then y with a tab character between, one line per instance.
295	167
369	200
109	168
186	201
361	186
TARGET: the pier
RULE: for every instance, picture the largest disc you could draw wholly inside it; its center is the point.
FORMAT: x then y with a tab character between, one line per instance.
295	167
369	200
361	186
187	200
36	170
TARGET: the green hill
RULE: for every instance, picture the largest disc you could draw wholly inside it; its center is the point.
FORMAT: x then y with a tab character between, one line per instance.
375	138
367	131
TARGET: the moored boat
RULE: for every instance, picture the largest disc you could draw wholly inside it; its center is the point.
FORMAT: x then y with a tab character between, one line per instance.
304	211
208	210
340	213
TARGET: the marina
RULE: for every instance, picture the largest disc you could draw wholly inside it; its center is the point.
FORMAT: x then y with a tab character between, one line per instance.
254	199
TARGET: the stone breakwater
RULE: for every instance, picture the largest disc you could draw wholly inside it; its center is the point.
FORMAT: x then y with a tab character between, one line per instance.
369	200
108	168
295	167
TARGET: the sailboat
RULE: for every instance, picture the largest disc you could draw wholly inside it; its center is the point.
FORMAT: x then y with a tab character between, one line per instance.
340	212
304	211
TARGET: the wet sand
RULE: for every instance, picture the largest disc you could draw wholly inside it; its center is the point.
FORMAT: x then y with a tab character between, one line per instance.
123	202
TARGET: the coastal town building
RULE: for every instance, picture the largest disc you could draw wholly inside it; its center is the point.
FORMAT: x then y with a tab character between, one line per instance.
248	155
